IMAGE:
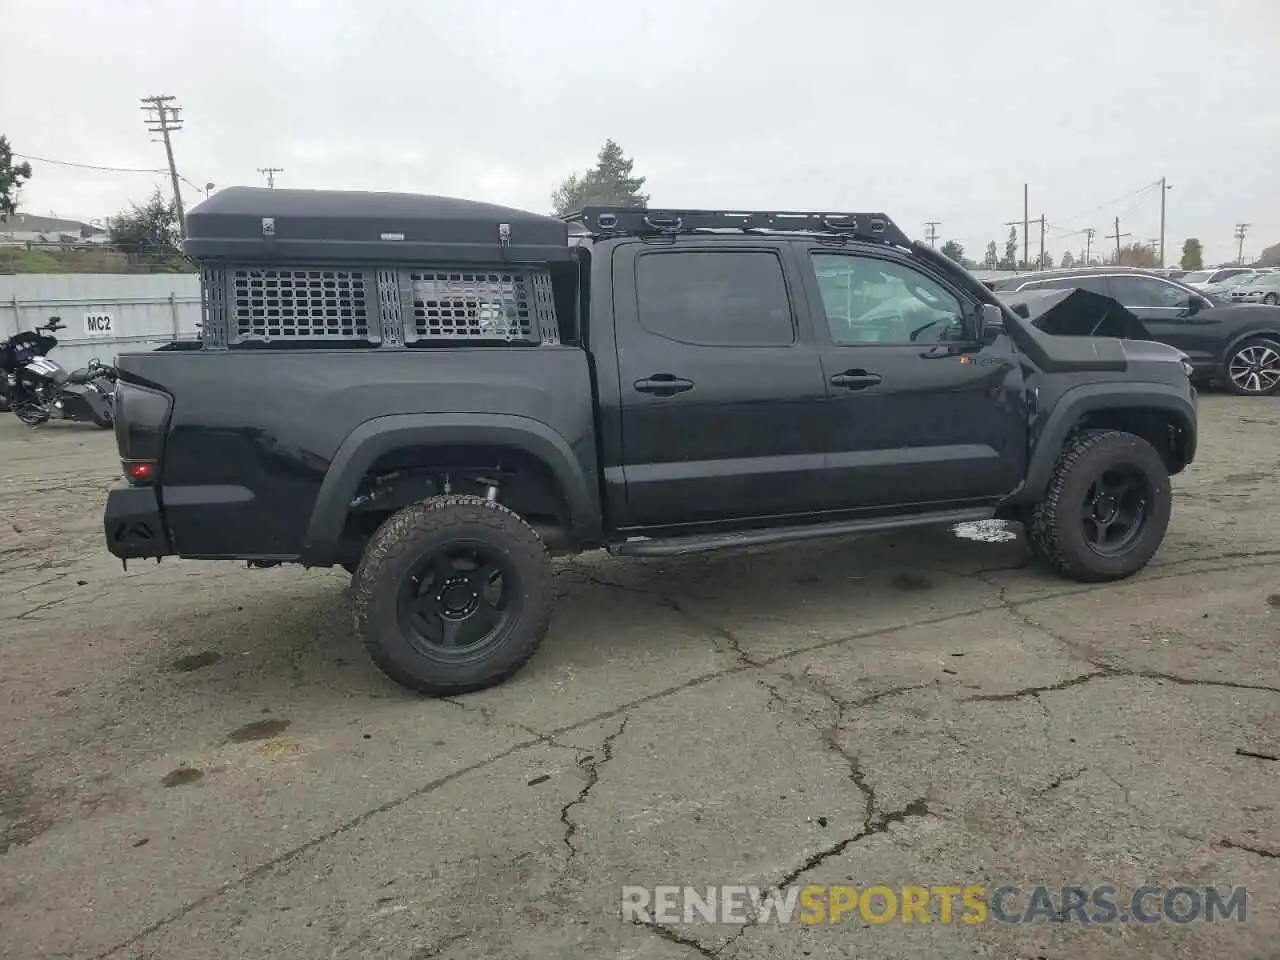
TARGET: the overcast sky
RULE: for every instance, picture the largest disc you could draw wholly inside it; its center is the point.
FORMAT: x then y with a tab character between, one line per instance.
928	110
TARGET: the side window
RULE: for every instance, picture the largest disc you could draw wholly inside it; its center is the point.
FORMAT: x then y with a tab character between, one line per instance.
1147	292
878	301
715	298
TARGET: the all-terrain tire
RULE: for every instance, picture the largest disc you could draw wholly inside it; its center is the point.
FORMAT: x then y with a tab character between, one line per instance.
388	560
1055	530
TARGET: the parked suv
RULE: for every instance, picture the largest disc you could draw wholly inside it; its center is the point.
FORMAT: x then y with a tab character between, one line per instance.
437	394
1237	346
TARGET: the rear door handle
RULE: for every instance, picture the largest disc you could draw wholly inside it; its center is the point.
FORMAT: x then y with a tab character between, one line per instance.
663	385
855	379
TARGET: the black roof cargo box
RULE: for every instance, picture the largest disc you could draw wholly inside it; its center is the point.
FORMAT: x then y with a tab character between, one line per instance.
251	224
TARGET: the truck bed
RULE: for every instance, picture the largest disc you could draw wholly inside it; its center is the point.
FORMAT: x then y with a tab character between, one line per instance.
252	433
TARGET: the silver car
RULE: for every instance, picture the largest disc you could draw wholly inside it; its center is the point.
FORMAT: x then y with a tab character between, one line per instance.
1259	288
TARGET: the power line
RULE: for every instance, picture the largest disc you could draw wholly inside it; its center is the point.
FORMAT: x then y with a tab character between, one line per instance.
932	234
91	166
1101	206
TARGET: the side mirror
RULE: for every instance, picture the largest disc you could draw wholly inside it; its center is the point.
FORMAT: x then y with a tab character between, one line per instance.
992	323
1196	304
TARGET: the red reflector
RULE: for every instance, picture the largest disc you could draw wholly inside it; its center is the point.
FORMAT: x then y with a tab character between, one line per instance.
143	470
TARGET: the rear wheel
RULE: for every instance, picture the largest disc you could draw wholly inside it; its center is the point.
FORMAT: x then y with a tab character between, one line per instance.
453	595
1106	510
32	414
1253	368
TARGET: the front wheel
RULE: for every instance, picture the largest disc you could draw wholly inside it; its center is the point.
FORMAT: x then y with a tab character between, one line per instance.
1271	299
1253	368
1106	510
453	594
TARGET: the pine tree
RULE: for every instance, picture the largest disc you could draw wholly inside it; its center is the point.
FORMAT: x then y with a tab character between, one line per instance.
610	183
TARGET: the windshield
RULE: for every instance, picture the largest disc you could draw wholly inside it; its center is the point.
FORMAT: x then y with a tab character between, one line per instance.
1200	276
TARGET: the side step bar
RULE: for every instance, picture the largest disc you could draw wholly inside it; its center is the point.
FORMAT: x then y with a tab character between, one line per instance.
677	546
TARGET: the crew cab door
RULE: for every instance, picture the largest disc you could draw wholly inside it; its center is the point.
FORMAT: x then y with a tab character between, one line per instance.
1165	310
921	414
721	388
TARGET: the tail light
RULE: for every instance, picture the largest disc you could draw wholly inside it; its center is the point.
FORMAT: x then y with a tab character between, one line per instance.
141	416
139	472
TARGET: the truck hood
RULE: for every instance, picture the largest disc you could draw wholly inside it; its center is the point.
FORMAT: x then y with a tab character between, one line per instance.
1074	312
1151	352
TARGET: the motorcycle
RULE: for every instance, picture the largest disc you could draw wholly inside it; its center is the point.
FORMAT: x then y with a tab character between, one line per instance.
37	389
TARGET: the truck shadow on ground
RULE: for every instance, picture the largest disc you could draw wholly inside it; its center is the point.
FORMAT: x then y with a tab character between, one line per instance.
289	634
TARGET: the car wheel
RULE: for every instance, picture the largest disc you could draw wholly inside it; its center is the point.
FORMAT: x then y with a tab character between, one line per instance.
1106	510
453	594
1253	368
1272	299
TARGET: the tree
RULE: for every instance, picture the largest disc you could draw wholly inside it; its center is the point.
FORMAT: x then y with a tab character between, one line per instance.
1192	254
1135	255
608	183
1010	260
1270	257
992	260
12	177
1068	261
954	250
149	233
1045	262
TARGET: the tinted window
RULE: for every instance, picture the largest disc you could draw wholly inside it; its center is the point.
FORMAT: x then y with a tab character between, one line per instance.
1148	292
877	301
715	298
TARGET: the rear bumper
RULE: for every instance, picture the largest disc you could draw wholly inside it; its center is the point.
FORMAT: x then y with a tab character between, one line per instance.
134	525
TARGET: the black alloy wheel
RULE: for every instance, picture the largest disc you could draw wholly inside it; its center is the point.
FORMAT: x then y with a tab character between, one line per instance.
457	600
1115	509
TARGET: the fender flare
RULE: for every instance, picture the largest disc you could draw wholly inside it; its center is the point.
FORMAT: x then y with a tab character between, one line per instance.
1089	398
373	438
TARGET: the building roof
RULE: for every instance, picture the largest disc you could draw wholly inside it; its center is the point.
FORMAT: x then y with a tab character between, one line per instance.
30	223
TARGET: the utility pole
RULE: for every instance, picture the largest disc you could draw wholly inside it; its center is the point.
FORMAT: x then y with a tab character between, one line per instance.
163	118
932	235
1041	266
270	174
1026	224
1088	243
1117	235
1164	189
1241	230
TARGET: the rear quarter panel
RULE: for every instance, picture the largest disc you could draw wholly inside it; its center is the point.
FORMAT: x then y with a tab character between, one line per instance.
252	434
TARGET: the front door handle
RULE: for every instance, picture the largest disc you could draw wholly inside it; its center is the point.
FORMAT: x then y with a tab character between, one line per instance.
663	385
855	379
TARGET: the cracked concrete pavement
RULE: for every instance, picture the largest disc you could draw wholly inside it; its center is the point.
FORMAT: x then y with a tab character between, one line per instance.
198	761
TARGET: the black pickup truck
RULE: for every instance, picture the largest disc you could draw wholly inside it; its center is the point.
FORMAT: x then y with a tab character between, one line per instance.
439	394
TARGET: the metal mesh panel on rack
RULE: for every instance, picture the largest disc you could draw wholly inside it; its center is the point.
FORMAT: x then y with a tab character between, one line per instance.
213	293
389	307
300	304
457	305
545	301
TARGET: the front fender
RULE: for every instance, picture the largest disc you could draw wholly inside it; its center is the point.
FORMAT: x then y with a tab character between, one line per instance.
575	475
1080	401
